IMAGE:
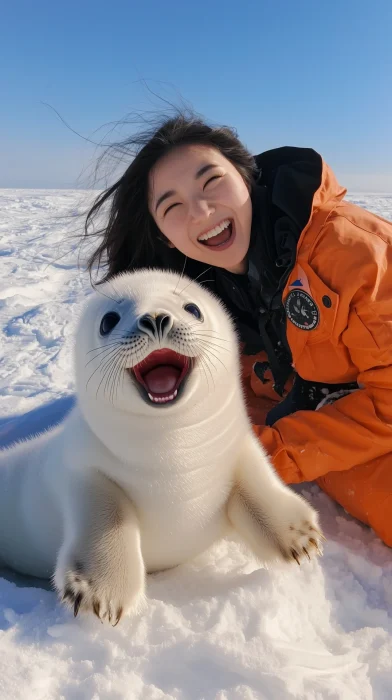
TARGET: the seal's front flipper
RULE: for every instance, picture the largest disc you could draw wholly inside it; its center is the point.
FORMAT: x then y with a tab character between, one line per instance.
275	522
100	566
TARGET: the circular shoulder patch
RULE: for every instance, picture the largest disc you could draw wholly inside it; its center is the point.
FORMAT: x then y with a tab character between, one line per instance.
301	310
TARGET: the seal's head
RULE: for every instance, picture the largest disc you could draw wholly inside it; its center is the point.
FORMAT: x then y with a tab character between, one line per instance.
151	340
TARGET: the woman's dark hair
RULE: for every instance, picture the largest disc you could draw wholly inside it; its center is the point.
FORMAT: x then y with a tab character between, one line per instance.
131	239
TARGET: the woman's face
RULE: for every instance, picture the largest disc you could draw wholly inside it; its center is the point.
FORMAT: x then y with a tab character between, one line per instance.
202	205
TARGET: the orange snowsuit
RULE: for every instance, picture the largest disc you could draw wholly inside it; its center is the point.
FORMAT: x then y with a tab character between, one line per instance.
344	264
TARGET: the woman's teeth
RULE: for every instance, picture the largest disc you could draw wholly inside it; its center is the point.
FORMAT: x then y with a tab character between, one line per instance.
214	231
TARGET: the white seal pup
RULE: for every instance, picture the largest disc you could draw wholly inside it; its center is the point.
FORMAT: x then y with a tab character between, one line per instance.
156	460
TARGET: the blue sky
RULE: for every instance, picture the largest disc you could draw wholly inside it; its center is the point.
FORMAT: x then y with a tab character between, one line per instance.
283	72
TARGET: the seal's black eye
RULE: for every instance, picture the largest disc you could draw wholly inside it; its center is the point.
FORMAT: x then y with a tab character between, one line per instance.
108	322
194	310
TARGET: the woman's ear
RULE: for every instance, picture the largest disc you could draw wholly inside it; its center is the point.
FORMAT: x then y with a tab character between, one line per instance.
165	240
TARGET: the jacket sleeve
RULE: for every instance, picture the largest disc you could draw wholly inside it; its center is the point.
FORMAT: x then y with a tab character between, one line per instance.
356	428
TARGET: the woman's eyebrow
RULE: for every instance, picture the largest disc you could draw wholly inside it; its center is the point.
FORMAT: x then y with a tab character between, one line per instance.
162	198
204	169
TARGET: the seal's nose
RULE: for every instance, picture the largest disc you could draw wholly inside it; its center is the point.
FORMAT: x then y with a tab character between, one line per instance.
164	324
158	327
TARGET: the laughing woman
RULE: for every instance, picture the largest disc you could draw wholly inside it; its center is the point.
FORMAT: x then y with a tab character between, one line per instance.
308	279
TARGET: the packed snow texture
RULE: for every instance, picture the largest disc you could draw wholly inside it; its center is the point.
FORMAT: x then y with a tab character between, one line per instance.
216	628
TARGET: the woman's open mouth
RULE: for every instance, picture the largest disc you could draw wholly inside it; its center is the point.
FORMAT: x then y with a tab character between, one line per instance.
220	237
161	375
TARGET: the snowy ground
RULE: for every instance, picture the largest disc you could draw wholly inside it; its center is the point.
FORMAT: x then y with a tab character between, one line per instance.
218	628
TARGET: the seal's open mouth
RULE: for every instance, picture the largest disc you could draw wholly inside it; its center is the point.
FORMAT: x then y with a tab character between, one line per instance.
161	375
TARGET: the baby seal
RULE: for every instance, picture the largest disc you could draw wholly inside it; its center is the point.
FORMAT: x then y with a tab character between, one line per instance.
155	462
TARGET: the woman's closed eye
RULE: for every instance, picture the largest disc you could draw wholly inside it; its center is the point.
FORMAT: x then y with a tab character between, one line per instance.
175	204
210	179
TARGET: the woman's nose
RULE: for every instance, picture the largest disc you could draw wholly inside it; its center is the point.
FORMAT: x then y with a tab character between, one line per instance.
200	208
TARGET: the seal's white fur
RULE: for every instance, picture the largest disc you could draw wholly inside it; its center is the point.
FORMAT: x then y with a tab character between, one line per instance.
124	487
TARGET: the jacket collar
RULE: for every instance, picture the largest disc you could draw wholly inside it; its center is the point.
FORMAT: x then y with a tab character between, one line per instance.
282	198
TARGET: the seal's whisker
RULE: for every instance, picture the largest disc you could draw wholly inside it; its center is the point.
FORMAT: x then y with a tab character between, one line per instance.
207	367
107	374
198	361
202	332
99	291
207	357
181	276
112	377
211	373
122	335
111	374
116	294
210	352
125	332
203	367
121	373
210	342
214	369
122	360
112	352
196	278
104	361
205	281
116	371
107	368
107	345
105	353
99	354
205	339
206	330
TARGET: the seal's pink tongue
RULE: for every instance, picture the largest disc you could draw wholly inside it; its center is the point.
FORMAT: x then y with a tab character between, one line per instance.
162	379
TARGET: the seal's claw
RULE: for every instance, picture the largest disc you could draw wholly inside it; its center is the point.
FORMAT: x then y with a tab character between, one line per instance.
97	609
68	595
295	556
81	593
118	617
78	601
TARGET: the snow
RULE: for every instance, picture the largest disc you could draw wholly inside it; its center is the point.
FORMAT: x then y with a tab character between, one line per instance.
217	628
